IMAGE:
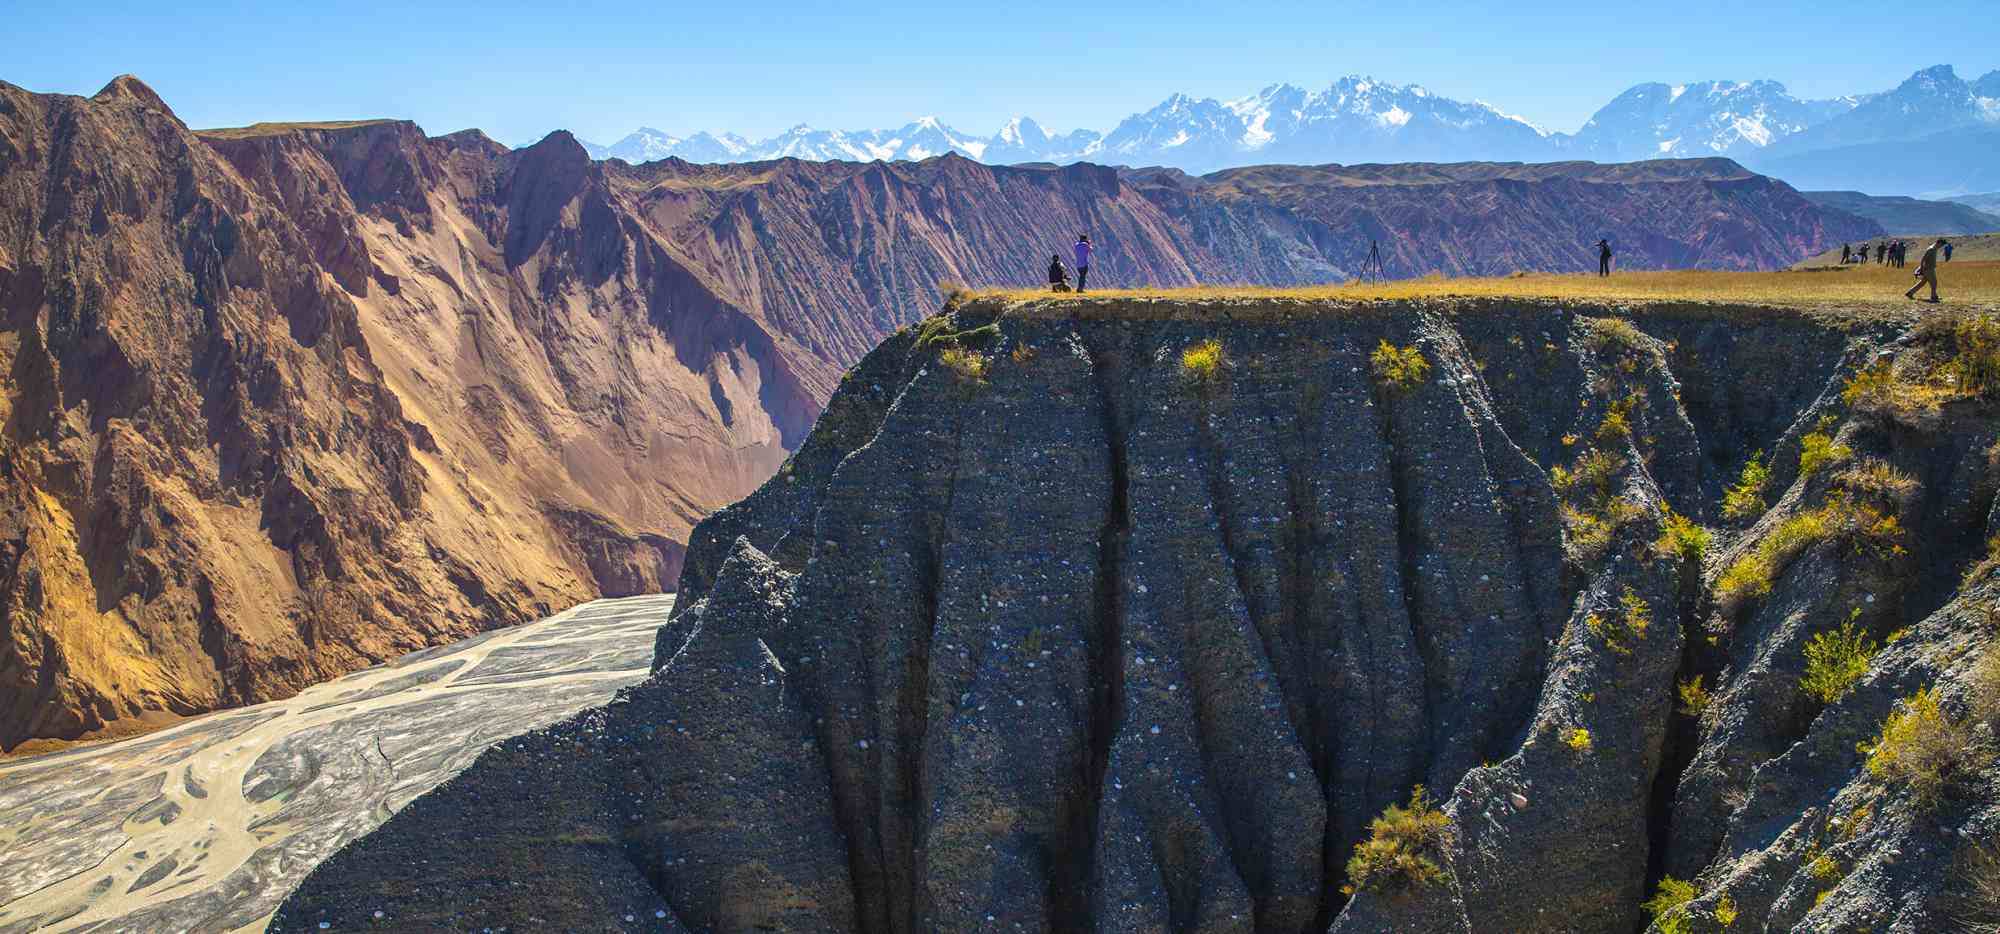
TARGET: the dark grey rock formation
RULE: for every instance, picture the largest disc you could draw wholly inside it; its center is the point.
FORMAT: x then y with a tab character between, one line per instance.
1048	627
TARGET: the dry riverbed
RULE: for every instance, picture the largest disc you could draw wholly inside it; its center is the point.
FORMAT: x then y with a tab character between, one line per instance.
207	826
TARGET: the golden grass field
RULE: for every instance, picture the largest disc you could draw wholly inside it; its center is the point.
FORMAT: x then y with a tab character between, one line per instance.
1961	285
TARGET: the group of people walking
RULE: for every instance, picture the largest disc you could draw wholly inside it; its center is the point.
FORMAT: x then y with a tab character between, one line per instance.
1059	277
1896	253
1889	252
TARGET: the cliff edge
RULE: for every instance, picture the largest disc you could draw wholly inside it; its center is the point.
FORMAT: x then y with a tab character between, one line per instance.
1154	614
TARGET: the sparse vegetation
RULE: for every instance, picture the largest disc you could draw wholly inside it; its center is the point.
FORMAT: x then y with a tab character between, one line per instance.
1578	739
1617	423
1745	500
968	364
1921	748
937	329
1694	695
1843	515
1202	361
1399	367
1402	850
1877	477
1985	566
1958	358
1633	618
1817	450
1725	912
1835	660
1681	537
1669	905
1978	875
1606	333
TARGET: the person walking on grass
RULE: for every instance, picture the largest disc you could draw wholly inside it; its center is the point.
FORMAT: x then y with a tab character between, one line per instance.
1058	276
1603	258
1927	270
1082	260
1846	254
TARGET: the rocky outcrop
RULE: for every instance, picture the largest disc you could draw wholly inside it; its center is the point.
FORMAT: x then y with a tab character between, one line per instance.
290	399
1051	625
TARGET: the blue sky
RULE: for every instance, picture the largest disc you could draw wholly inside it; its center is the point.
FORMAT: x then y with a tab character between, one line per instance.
600	69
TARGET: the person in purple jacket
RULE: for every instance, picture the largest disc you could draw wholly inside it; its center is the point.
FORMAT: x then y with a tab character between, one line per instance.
1082	260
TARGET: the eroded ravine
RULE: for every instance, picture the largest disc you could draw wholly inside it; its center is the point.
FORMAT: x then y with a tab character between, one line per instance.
208	825
1050	626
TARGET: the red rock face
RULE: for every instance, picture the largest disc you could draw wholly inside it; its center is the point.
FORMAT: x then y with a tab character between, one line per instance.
287	400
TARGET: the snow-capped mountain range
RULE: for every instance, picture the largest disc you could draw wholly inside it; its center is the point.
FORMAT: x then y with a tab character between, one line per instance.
1358	119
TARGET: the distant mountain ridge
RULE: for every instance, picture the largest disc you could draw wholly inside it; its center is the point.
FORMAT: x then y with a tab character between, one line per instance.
1360	119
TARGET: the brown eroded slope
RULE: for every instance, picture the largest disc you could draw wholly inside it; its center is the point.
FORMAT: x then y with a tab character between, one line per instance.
286	401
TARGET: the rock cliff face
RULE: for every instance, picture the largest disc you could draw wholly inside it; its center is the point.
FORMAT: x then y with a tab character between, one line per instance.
1132	617
285	401
289	399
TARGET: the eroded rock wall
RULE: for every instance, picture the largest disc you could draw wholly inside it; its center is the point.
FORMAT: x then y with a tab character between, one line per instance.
1047	628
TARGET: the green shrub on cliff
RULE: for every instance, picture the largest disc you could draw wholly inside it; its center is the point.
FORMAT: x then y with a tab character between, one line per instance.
1834	661
1843	515
1817	450
1399	367
1680	536
1203	360
1745	500
1403	848
1922	748
1634	616
968	364
1669	905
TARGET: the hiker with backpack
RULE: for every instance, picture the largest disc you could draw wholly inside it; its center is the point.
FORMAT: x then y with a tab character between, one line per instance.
1603	258
1082	260
1927	270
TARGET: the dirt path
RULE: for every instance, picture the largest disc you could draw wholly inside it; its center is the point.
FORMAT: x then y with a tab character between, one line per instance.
206	826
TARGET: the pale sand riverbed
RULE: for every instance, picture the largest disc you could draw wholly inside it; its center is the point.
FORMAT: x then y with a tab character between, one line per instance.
207	825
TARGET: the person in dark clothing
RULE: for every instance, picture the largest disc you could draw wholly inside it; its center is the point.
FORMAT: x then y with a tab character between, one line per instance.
1058	276
1927	270
1603	258
1864	254
1846	254
1082	260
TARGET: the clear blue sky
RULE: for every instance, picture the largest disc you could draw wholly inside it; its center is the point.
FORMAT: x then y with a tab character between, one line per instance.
601	69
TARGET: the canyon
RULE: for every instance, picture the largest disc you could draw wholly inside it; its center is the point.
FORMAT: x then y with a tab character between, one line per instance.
288	400
1170	612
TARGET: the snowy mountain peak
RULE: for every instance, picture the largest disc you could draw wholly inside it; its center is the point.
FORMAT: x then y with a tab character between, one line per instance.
1359	118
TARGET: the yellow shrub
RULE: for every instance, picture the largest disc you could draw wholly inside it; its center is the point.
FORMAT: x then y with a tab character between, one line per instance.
1920	747
1399	367
1745	500
1403	848
969	364
1834	661
1578	739
1694	696
1203	360
1817	450
1680	536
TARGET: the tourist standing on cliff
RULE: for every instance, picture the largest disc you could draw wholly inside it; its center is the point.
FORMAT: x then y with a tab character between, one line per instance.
1927	270
1082	260
1603	258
